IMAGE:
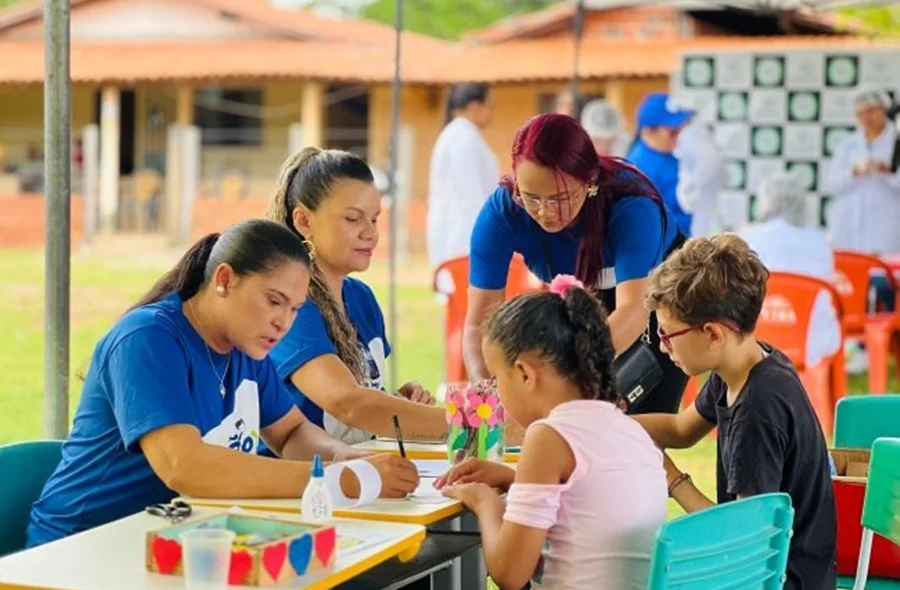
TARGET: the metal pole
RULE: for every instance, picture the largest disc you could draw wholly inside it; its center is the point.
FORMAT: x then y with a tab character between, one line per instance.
579	33
392	191
57	169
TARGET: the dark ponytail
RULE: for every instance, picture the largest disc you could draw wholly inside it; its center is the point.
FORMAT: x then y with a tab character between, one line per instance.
188	275
251	246
570	333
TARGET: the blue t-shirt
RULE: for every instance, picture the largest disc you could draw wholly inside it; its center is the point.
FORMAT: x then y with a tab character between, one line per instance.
150	371
662	169
308	340
634	242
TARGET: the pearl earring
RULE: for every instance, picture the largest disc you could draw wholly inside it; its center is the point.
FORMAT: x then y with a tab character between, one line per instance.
220	290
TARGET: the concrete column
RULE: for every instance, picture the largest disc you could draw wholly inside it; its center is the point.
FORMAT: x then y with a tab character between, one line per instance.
90	149
184	105
173	183
313	114
109	157
296	138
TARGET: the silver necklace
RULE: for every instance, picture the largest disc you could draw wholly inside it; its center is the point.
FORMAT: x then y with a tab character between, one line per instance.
221	377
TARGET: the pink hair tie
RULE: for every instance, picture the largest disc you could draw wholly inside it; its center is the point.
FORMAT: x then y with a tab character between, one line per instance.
562	283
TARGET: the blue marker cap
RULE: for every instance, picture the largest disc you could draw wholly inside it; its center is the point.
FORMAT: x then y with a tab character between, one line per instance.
317	469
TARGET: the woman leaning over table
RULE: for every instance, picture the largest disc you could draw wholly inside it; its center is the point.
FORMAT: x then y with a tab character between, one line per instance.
180	392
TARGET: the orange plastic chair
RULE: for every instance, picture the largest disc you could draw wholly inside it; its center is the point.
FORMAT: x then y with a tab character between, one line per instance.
879	331
784	323
456	289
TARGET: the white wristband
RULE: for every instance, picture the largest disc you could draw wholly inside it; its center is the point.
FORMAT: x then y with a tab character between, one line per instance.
369	483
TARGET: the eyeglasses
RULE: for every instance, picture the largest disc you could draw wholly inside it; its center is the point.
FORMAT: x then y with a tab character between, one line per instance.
665	340
560	207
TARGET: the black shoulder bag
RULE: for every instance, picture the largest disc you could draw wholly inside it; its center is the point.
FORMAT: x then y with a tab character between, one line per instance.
637	369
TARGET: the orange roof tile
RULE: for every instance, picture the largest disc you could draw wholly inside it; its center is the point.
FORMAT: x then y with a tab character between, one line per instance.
215	61
290	23
519	61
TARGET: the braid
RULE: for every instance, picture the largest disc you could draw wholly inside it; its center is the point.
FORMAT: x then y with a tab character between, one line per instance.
340	329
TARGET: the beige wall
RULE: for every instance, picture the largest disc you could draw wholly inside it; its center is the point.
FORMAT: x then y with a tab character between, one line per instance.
145	20
260	162
22	117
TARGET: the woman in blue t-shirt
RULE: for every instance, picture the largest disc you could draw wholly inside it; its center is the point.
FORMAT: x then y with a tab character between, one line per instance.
333	359
180	392
568	211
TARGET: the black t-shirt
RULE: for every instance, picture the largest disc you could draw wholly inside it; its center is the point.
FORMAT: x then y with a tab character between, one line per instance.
769	441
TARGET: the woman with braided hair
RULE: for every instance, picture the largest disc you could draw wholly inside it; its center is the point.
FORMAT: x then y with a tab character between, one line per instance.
333	358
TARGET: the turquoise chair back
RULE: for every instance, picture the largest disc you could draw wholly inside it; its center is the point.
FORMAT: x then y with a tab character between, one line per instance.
860	419
738	545
24	469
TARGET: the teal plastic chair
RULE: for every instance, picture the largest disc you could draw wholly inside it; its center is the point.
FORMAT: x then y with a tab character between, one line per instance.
860	419
738	545
24	468
880	514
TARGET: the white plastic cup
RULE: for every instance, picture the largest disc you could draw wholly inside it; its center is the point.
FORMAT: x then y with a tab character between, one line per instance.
207	558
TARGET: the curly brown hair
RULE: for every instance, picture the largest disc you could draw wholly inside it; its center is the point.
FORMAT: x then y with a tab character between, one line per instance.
711	279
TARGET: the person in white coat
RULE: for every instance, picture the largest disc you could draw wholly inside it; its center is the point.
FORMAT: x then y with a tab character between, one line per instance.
785	244
604	123
702	174
464	172
865	213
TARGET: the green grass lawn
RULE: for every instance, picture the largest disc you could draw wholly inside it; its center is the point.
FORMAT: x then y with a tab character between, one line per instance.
103	287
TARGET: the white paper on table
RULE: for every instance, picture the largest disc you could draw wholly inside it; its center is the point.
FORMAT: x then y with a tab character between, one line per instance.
426	493
432	467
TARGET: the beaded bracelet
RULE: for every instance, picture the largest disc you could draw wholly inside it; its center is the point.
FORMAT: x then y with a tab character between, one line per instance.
683	477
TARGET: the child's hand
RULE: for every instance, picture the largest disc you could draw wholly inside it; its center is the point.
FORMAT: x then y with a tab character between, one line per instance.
495	475
414	392
470	494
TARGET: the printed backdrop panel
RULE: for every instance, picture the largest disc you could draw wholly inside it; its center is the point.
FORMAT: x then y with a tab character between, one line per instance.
774	111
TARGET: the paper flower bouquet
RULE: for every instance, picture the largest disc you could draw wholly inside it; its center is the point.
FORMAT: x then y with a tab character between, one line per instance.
476	419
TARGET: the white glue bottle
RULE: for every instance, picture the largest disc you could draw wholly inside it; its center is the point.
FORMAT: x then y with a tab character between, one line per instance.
317	504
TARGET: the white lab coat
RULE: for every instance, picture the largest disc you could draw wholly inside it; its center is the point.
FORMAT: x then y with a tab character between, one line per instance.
784	247
702	173
865	213
464	172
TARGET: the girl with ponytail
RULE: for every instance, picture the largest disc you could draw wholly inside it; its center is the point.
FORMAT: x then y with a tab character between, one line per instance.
589	493
333	359
180	393
567	210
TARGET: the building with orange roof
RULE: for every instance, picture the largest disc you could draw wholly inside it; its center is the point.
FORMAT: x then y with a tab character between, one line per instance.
256	80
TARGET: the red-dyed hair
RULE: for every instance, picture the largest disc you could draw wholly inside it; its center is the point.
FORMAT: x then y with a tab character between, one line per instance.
560	143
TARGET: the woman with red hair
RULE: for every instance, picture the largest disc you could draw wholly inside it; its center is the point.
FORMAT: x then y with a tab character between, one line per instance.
568	211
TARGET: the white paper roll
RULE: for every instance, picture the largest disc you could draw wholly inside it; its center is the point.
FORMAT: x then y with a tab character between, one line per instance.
369	483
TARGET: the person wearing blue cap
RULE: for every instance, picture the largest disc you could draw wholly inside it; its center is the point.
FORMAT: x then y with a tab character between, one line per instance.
659	121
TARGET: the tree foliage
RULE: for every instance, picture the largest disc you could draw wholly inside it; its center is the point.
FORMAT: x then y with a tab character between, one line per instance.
451	19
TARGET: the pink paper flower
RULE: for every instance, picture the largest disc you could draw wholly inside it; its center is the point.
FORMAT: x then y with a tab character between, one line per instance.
485	411
455	408
562	283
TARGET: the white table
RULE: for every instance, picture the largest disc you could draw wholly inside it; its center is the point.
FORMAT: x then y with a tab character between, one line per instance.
112	557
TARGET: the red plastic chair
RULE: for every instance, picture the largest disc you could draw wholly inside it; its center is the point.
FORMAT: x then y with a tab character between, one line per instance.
784	323
456	289
879	331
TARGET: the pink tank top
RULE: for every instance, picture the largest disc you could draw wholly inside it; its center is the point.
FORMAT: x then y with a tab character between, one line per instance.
602	523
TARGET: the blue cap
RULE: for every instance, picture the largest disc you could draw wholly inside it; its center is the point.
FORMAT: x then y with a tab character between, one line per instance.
658	110
317	469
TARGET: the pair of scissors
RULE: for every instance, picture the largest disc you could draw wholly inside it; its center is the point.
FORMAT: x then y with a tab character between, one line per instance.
174	512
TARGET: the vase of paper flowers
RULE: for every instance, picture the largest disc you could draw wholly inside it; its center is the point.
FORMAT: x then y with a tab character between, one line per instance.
475	418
